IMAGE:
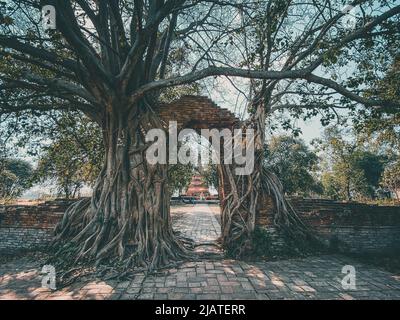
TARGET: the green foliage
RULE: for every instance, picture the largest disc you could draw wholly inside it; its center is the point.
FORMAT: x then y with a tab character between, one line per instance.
382	125
179	177
73	158
372	166
210	174
391	178
351	170
294	164
330	185
15	177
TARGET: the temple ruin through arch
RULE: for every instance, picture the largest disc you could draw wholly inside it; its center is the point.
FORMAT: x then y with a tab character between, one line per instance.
199	112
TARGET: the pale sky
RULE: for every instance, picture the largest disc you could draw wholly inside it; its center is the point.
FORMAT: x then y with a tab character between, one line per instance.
227	96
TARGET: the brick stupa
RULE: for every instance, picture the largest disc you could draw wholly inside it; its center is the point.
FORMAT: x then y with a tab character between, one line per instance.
198	188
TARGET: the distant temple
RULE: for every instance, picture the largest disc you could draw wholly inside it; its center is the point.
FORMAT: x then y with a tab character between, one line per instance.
198	188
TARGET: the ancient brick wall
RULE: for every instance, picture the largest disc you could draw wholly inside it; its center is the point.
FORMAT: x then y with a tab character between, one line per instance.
25	227
346	227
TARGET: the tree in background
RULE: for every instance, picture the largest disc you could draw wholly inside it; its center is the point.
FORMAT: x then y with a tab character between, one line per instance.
210	174
351	170
73	158
15	177
180	176
294	164
331	188
391	179
381	127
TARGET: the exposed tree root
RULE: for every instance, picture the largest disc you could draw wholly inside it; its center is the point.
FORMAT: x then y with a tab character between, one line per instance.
240	208
126	224
247	193
296	233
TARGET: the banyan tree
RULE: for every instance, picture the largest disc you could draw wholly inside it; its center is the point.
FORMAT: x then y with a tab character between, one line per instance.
113	60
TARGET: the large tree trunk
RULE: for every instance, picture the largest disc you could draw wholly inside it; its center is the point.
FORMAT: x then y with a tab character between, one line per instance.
241	194
128	215
244	196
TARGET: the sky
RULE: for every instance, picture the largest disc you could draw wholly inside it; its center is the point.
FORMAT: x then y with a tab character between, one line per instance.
226	96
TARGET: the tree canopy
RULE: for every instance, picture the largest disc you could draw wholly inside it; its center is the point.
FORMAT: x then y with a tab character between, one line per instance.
15	177
74	157
294	164
102	50
351	170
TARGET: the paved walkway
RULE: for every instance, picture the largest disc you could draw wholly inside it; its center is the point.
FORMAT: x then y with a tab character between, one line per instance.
198	223
311	278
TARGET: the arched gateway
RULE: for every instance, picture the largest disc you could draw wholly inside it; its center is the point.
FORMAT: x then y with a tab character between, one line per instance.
199	112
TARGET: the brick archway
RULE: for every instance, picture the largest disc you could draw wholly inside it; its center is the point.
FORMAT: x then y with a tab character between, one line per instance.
199	112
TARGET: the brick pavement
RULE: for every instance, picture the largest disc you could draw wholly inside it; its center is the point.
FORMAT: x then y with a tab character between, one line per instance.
316	277
198	223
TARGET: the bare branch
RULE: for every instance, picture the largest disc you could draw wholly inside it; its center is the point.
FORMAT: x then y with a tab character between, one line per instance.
347	93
